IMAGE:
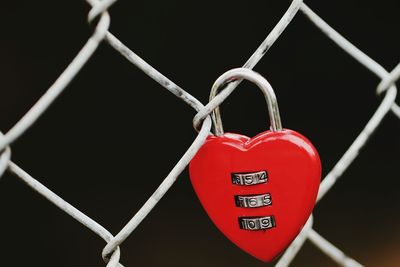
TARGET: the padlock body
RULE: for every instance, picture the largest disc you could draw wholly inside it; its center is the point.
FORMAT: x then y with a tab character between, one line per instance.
258	191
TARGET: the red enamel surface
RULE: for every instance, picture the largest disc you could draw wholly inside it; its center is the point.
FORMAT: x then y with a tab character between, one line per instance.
294	172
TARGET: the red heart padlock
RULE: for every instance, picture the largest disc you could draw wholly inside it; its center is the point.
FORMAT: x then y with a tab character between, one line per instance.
258	191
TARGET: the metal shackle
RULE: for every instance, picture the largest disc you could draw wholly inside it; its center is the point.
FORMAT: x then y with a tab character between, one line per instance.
261	82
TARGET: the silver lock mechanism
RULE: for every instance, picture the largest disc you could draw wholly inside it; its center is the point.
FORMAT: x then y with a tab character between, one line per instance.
257	223
249	178
253	201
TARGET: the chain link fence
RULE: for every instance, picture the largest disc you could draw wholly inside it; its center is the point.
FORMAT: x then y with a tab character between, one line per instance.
99	17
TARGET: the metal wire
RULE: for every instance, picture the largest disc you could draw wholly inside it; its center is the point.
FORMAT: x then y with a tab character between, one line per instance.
202	123
250	63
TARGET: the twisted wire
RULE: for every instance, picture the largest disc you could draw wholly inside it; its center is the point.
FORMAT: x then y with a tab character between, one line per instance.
202	123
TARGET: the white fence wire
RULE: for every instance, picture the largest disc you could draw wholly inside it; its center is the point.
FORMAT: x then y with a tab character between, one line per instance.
201	122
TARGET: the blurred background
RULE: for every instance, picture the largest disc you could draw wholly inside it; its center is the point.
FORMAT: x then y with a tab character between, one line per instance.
96	144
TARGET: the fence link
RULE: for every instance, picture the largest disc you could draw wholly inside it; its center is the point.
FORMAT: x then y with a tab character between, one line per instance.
201	122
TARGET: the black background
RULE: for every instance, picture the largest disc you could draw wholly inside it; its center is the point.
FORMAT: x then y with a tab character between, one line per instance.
114	134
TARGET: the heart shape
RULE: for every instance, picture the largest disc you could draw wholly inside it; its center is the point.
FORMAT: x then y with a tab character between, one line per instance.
258	191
